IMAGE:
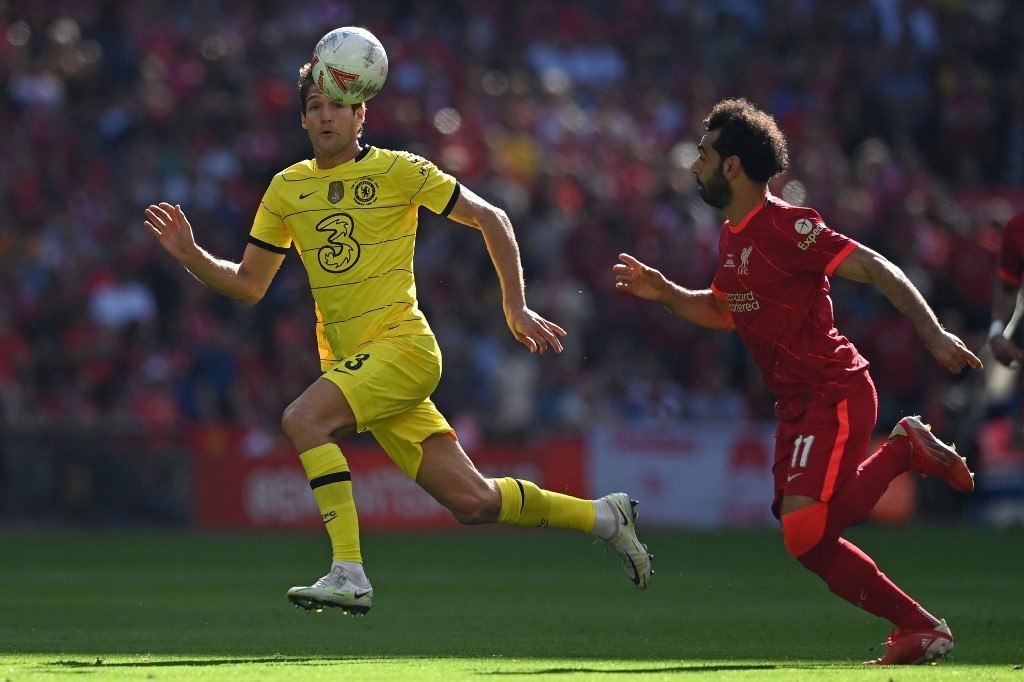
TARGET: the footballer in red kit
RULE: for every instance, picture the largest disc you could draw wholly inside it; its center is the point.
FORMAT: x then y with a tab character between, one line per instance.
772	288
773	278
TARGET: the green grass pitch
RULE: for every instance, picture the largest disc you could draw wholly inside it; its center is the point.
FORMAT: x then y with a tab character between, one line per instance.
489	605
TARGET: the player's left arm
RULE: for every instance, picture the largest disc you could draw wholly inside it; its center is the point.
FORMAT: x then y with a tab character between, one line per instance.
529	328
870	267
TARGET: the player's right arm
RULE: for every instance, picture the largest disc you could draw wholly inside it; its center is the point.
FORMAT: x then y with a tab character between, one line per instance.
246	282
700	307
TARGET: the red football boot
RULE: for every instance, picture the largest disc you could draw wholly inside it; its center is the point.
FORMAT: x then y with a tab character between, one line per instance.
931	457
916	646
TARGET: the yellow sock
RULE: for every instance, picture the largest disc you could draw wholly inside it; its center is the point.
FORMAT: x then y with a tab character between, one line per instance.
329	477
524	504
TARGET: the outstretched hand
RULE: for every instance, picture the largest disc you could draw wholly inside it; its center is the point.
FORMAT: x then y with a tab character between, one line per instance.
638	279
171	228
533	331
950	352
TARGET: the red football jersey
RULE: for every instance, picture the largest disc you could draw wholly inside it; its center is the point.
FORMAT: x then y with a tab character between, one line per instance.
773	273
1011	256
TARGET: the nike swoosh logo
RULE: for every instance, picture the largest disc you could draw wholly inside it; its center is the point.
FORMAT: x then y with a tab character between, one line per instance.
636	574
937	454
792	476
359	595
307	194
625	521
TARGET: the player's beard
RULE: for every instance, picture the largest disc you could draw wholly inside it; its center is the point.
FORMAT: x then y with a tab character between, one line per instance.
716	191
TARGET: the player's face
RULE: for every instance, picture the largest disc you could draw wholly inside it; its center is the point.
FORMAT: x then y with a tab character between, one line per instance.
712	185
332	127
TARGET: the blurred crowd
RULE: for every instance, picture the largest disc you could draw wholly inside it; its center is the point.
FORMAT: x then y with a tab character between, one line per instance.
580	118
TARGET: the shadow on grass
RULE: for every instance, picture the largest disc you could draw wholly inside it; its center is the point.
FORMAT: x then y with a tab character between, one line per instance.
654	669
635	671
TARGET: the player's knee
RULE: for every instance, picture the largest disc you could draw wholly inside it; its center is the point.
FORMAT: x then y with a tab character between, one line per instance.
804	528
291	421
299	425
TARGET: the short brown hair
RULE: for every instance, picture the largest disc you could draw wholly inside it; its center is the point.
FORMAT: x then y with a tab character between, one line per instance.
751	134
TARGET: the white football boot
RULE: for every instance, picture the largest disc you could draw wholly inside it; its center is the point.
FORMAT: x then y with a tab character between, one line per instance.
333	590
624	542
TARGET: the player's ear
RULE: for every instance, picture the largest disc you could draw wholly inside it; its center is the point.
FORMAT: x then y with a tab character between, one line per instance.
732	166
302	117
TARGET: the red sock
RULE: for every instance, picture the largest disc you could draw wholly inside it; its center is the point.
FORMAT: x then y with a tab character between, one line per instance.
860	492
852	575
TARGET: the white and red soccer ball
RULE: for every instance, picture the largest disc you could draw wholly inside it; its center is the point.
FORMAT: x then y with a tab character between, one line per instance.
349	65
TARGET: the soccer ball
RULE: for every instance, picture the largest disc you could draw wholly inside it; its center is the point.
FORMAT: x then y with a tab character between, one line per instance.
349	65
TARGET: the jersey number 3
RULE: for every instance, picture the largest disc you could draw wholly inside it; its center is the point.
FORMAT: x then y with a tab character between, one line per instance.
356	361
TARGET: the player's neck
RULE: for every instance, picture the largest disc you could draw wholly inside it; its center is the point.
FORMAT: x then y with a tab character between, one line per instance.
744	200
325	161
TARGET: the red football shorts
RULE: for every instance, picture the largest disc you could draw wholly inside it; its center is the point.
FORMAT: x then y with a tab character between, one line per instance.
816	451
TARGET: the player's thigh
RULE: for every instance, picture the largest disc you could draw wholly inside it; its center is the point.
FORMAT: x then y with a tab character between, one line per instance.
424	446
402	437
791	503
816	452
387	377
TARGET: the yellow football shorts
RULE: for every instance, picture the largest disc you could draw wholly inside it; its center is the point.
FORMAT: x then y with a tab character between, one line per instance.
388	385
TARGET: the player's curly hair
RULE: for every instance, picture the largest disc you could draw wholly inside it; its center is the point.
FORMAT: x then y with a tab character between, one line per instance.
751	134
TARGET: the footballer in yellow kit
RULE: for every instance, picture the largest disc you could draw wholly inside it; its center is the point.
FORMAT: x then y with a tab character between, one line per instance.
355	228
351	214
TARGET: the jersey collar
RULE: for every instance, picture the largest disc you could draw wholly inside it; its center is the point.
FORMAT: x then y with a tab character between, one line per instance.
747	218
355	159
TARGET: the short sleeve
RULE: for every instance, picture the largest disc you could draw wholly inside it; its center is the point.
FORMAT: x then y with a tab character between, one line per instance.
268	228
807	245
425	184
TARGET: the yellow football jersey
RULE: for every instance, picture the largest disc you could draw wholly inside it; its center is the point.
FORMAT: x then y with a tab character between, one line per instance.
354	227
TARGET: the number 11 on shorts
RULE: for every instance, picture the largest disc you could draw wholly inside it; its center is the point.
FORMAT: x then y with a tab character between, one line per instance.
801	449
